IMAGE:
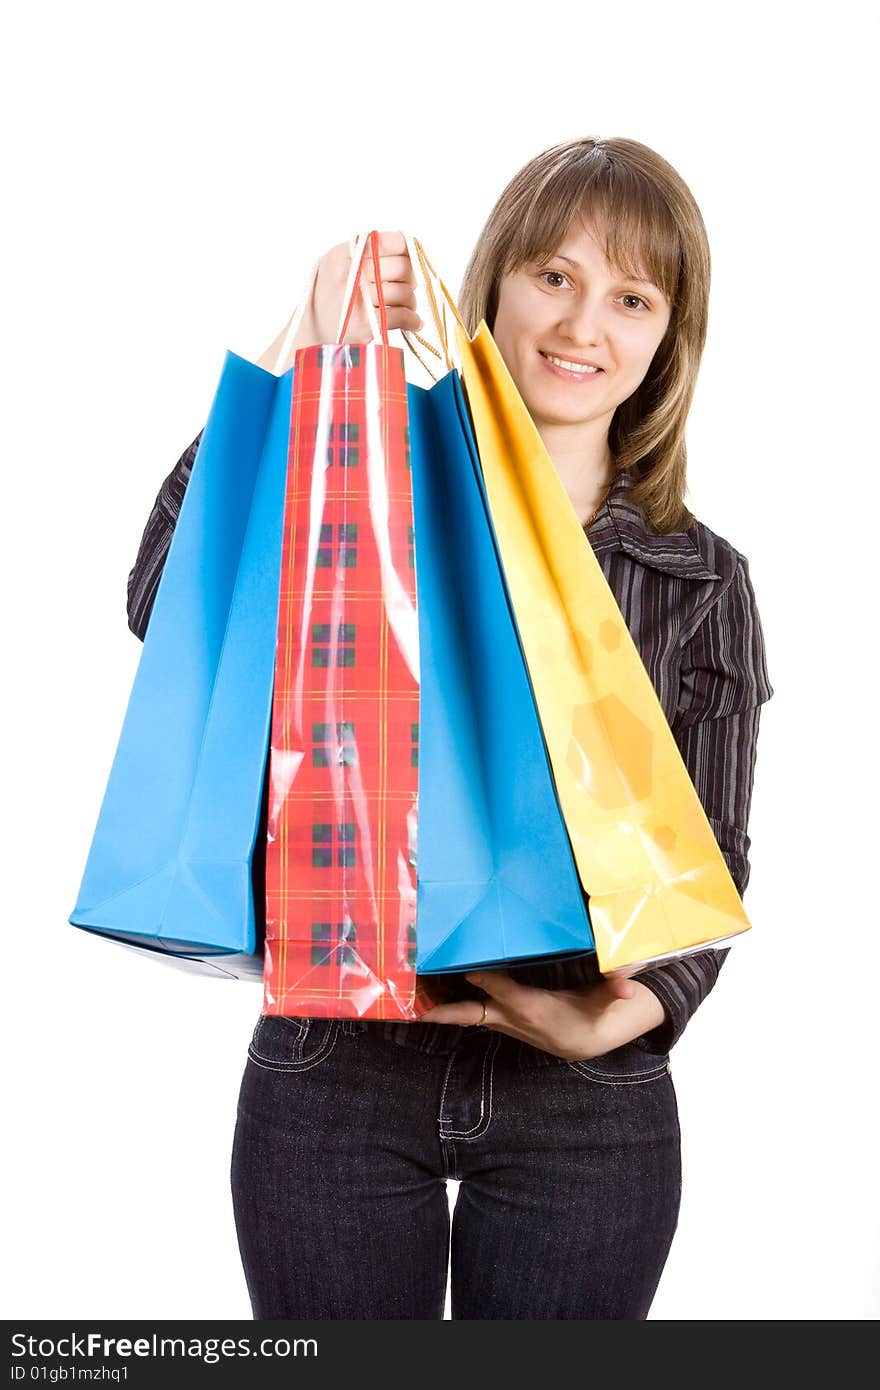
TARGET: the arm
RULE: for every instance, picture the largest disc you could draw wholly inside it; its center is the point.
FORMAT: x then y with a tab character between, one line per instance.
143	579
316	326
724	682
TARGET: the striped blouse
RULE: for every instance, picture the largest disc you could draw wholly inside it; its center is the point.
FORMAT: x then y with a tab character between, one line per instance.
688	602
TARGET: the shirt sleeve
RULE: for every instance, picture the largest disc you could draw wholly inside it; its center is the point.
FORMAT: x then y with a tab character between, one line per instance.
724	683
143	579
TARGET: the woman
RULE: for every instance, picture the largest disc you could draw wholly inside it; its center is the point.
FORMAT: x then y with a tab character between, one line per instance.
544	1090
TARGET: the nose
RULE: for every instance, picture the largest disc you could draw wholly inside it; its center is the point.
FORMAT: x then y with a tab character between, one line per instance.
583	323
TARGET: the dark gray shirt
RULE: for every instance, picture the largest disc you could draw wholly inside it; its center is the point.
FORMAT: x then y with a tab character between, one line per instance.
688	602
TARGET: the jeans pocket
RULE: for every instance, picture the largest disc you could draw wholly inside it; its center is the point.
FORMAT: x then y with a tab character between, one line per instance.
292	1044
624	1066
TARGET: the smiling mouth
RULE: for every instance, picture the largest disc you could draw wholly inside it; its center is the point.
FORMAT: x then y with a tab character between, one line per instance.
563	366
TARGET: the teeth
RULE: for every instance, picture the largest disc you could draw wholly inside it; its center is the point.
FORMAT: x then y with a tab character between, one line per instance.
570	366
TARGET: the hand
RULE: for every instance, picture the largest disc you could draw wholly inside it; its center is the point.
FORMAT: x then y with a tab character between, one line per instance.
398	290
573	1024
320	322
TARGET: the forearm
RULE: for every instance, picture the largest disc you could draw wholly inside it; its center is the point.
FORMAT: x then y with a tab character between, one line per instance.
625	1020
306	336
600	1020
143	579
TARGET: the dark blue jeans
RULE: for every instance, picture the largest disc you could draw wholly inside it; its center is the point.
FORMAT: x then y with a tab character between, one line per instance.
347	1130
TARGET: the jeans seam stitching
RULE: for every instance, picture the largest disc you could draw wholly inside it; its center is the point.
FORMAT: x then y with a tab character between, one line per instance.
270	1064
476	1131
606	1079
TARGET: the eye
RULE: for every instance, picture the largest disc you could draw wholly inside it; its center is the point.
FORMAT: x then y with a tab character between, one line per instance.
637	297
558	273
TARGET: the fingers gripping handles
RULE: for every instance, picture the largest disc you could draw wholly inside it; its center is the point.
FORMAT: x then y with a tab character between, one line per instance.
358	247
436	294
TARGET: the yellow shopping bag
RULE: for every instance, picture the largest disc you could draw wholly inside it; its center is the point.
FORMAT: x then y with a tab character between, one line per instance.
657	881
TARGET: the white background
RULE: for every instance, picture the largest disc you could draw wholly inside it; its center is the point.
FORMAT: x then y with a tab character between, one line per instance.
171	172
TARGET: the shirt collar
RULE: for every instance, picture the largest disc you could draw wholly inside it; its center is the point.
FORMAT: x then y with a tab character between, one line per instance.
621	525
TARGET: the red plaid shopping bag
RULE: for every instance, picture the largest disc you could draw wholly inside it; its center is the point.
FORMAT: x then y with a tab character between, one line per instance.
341	881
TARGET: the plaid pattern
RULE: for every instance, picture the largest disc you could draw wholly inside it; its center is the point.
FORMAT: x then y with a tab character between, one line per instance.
341	880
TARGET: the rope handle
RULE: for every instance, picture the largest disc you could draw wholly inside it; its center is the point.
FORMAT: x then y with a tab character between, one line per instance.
359	248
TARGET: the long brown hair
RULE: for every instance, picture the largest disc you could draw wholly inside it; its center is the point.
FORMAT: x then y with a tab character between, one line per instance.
652	228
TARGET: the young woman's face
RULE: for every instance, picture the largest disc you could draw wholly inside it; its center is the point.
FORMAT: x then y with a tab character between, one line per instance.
574	307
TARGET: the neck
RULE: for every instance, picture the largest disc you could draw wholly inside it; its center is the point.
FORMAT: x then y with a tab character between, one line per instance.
585	473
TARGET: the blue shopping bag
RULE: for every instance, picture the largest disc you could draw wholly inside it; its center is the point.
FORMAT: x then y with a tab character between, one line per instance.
497	881
169	869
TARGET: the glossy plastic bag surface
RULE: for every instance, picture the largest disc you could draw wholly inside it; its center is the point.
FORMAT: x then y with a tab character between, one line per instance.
343	759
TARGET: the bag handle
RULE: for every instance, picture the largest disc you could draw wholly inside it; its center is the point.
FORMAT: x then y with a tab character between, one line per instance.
359	247
430	279
295	321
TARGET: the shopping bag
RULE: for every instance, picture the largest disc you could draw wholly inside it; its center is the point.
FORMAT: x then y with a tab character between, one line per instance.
170	864
497	882
657	883
343	771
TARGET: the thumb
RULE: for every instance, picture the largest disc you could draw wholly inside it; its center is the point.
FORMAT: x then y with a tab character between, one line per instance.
497	983
620	986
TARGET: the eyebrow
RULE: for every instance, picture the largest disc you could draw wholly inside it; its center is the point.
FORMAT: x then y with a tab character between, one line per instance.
635	279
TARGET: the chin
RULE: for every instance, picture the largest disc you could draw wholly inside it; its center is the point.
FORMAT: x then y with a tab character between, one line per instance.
548	413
